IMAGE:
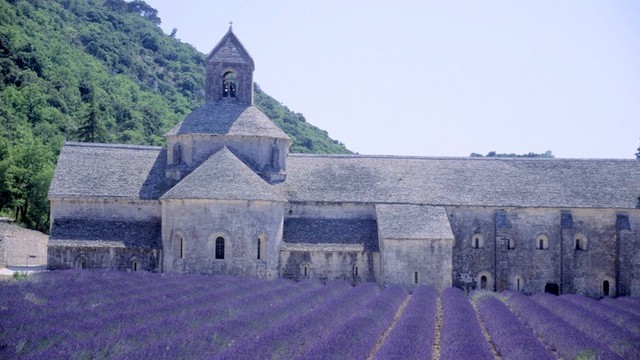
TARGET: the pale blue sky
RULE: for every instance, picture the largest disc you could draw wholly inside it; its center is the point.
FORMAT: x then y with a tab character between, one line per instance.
441	78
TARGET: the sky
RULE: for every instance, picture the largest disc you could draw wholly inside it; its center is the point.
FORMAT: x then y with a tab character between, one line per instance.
446	78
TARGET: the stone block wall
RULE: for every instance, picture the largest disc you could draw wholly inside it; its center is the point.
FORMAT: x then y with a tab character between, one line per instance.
240	223
111	258
509	255
329	262
107	209
416	262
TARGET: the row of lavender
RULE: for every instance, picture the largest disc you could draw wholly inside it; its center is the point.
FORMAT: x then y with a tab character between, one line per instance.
88	314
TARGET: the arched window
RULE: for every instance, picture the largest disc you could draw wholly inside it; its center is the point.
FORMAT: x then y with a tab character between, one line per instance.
306	270
177	154
262	247
416	277
134	265
483	282
82	263
178	246
581	242
477	241
355	271
542	242
229	84
219	248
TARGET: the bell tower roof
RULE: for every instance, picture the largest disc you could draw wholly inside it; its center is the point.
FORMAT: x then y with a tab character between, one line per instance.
230	50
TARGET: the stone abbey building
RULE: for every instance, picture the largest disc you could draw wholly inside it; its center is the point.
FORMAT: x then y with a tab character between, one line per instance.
226	197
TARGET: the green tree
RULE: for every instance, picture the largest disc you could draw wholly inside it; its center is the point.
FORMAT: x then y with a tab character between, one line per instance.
638	153
92	129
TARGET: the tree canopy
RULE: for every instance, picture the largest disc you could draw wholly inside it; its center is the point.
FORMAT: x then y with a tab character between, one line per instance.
546	154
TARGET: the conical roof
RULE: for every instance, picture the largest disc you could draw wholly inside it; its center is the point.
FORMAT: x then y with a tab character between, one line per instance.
228	119
223	177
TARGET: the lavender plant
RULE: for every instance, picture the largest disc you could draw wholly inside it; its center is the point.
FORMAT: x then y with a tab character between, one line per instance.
511	338
556	334
597	328
413	335
619	317
354	339
461	336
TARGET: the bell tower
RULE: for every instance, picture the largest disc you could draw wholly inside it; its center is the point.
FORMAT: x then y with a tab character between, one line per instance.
229	72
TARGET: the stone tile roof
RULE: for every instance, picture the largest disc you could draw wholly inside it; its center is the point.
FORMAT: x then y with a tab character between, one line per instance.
228	119
413	222
564	183
102	170
331	231
224	177
20	243
108	233
230	50
323	247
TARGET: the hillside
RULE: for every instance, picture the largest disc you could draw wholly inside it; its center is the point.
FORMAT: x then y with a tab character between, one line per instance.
100	71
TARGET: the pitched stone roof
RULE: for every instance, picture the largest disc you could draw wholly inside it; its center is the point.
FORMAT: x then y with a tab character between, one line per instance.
102	170
228	119
413	222
563	183
223	177
230	50
331	231
137	172
111	233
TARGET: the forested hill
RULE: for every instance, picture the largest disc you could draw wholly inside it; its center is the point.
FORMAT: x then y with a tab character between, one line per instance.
101	71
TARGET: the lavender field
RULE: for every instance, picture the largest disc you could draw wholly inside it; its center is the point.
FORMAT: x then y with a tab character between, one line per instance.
116	315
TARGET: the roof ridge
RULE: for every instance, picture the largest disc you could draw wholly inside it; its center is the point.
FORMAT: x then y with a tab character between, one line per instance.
112	146
417	157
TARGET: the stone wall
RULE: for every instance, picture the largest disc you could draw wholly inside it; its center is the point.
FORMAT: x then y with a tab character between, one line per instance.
108	209
101	257
257	152
329	262
416	262
22	247
508	255
239	223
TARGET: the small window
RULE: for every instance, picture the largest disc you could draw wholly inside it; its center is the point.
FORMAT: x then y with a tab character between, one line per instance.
134	265
477	241
511	244
306	270
83	264
220	248
416	278
178	246
542	242
355	271
605	288
581	242
262	248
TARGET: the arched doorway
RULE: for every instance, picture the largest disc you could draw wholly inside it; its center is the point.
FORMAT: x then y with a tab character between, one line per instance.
552	288
483	282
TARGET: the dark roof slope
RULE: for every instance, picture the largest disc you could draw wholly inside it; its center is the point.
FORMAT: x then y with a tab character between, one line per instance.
224	177
228	119
96	232
413	222
565	183
102	170
229	49
331	231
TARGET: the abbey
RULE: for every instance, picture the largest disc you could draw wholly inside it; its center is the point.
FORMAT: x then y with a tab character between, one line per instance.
226	197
